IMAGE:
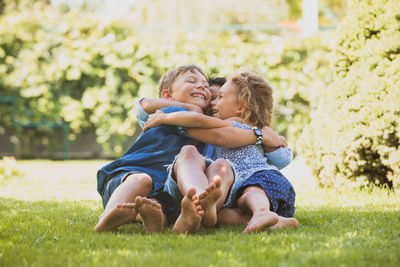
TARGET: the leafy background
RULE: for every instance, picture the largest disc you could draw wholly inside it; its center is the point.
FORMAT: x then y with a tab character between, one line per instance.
335	94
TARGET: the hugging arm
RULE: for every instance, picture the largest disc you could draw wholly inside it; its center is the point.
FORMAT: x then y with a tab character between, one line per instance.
280	157
224	136
187	119
151	105
276	149
236	137
214	131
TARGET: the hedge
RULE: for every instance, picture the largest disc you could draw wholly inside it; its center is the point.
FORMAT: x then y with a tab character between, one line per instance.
74	68
354	133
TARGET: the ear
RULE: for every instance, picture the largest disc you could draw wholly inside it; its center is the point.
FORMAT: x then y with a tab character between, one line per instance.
165	94
240	111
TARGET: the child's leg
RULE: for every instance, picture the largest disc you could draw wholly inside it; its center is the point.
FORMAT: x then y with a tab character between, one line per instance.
189	170
233	216
116	214
220	177
223	169
256	201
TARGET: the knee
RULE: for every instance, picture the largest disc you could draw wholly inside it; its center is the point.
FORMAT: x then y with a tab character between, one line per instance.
142	180
224	168
189	151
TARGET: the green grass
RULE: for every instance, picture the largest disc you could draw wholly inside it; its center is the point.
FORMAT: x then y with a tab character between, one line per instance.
47	217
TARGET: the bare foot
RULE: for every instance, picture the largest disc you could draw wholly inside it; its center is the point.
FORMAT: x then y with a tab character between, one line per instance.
260	220
131	205
283	223
233	216
208	199
153	218
191	213
123	213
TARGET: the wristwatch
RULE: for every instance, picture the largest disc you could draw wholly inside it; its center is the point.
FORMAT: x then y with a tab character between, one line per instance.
259	135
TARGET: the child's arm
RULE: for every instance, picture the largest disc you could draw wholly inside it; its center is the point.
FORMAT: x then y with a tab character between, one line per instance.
151	105
187	119
280	158
221	134
272	140
217	132
276	149
224	136
227	136
144	106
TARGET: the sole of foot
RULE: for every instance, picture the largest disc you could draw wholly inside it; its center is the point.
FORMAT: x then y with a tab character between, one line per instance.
117	216
191	214
151	213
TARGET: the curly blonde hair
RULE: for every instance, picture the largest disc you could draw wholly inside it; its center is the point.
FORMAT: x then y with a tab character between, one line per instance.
255	97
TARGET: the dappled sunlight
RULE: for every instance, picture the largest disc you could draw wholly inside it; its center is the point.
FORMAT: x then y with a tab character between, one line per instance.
52	180
71	72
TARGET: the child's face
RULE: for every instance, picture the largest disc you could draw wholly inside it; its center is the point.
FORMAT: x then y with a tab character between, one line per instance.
214	91
214	94
192	88
226	105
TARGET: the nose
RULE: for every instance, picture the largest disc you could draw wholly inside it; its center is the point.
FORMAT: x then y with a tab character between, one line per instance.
201	86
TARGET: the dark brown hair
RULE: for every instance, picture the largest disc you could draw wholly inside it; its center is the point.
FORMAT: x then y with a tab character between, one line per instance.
255	96
170	76
220	81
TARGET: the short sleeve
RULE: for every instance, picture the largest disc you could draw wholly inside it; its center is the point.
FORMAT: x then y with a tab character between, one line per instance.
141	115
280	158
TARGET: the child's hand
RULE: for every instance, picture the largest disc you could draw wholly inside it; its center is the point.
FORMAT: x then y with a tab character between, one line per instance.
271	139
154	120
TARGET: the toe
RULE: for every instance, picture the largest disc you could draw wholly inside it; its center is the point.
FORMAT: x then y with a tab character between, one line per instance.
191	193
139	201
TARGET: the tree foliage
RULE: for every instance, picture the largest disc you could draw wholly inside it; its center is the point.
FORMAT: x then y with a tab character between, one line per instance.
74	68
355	132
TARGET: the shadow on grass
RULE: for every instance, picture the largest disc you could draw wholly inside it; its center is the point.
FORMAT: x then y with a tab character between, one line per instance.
46	232
83	215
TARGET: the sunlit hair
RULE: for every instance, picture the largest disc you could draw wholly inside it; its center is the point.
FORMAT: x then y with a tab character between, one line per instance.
255	96
170	76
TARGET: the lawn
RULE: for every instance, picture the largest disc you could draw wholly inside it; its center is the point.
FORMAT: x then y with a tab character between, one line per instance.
47	217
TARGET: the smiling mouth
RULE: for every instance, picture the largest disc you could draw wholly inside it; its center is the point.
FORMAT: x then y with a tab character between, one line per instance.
199	95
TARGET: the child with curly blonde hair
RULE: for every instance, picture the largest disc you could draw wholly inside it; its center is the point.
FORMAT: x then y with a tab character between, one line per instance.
259	189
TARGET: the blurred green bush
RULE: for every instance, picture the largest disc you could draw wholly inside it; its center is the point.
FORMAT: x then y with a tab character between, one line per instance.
354	134
72	67
9	169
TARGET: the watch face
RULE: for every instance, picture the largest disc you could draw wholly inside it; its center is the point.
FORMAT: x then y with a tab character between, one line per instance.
258	132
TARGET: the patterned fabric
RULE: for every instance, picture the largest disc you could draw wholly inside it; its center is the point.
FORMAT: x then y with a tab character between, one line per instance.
251	168
279	190
247	160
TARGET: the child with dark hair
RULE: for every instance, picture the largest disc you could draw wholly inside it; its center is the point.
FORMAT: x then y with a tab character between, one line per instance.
125	183
245	101
215	84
